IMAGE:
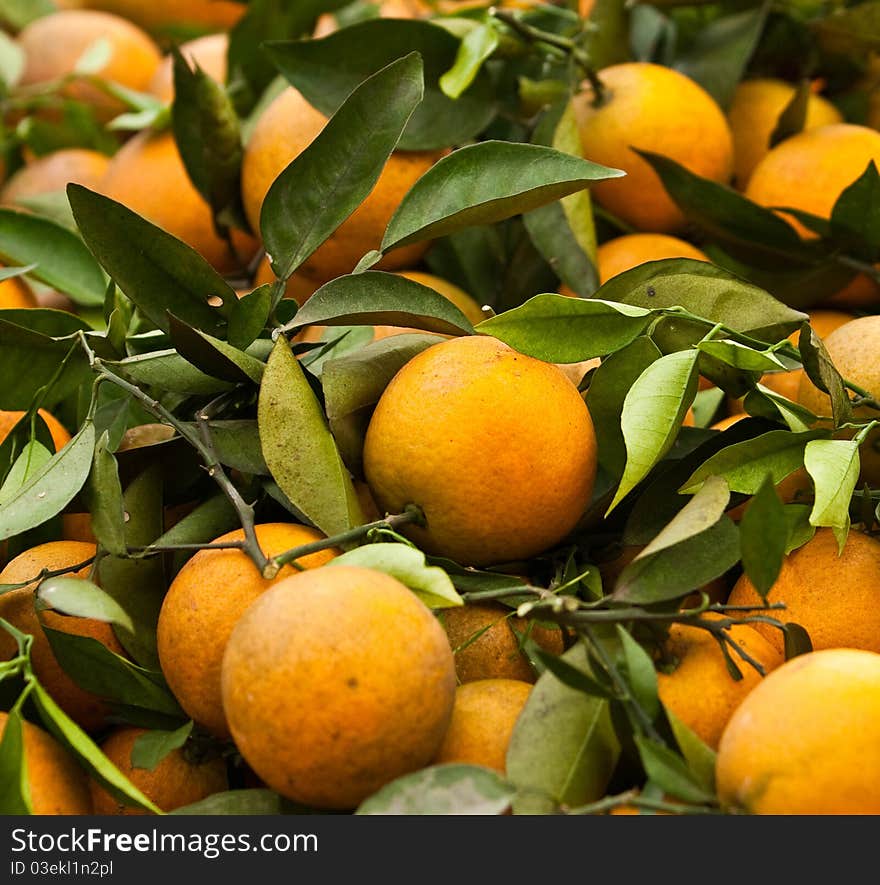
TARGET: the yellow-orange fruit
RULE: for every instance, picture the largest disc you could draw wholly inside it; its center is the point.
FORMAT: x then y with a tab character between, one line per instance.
203	604
699	690
57	784
836	599
170	16
496	448
487	642
54	172
807	739
754	114
14	293
208	53
60	436
286	128
17	607
658	109
615	256
483	718
176	781
329	728
148	176
54	44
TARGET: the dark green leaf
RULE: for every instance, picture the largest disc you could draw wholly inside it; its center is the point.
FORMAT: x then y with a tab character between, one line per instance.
162	275
246	802
763	537
571	676
152	747
669	771
797	641
797	519
325	183
558	329
454	193
167	370
327	71
104	493
249	316
15	793
640	672
443	789
793	118
376	298
299	449
59	257
699	756
855	218
212	356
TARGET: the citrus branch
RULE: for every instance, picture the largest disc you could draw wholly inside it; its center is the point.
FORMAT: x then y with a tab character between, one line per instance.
47	573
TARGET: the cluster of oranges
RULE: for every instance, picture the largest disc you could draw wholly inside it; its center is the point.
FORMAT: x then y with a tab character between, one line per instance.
327	682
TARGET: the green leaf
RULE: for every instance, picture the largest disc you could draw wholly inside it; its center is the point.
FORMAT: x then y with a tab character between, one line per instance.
855	218
151	748
652	414
33	458
237	445
833	465
797	641
249	316
718	57
609	386
454	193
824	374
430	583
327	71
797	520
475	48
793	118
167	370
763	537
849	30
700	757
558	329
50	489
299	449
443	789
563	749
668	770
238	802
571	676
86	750
640	672
213	517
212	356
746	464
82	599
15	793
676	571
162	275
742	357
104	493
707	291
100	671
376	298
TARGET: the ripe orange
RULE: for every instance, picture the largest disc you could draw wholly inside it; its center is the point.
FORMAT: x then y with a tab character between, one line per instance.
285	129
653	108
487	642
335	682
55	43
699	690
483	718
148	176
807	739
836	599
15	294
17	607
53	173
754	114
57	784
208	53
204	602
176	781
171	15
853	348
60	436
496	448
623	253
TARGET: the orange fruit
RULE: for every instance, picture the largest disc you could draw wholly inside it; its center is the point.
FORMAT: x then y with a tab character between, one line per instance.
853	348
496	448
53	172
699	690
810	170
335	682
208	53
60	436
836	599
57	784
148	176
284	130
487	642
483	718
171	15
17	607
653	108
54	44
204	602
807	739
754	114
14	293
623	253
176	781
